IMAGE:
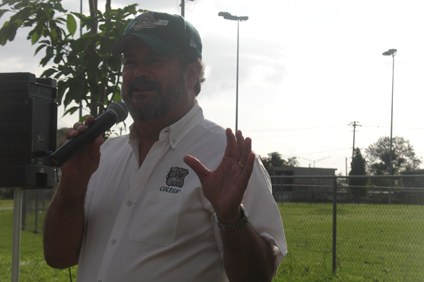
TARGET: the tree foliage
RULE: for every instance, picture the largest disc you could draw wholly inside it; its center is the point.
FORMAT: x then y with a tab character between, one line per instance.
60	135
84	67
403	158
275	159
358	185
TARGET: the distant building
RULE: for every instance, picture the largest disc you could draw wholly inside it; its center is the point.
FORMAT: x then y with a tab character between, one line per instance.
411	189
302	189
412	182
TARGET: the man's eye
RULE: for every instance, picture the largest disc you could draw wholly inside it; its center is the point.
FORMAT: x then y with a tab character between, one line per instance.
129	62
154	60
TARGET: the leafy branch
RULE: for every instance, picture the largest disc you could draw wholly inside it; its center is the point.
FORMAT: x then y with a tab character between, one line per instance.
84	67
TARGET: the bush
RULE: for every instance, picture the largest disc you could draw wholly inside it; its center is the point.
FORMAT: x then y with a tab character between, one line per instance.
6	193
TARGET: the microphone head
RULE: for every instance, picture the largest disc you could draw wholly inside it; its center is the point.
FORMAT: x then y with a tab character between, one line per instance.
119	109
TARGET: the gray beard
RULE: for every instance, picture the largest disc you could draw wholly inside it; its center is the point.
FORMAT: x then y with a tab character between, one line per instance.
163	102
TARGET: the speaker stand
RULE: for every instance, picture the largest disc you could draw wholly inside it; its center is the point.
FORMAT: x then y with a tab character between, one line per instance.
17	226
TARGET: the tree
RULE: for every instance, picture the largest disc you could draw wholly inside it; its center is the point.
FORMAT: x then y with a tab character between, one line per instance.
403	157
60	134
275	159
84	67
357	186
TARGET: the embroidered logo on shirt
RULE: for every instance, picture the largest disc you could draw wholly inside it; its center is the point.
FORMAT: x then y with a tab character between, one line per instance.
176	176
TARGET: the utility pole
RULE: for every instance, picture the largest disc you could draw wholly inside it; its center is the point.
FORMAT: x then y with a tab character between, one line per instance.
355	124
183	7
80	105
346	166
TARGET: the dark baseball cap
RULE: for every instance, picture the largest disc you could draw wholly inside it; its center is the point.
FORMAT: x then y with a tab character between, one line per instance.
163	33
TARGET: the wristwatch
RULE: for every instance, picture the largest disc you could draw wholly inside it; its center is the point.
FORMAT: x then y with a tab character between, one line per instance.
235	226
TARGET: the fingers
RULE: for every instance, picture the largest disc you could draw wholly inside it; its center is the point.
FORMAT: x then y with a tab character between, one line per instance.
248	165
230	150
239	147
244	148
89	120
201	171
78	128
94	149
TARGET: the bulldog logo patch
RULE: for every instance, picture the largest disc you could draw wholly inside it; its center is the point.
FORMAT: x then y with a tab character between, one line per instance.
176	176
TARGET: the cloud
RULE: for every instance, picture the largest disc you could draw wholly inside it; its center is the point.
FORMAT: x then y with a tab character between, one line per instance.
302	64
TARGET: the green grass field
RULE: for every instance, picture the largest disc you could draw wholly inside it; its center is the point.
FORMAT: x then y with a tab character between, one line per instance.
374	243
32	265
6	203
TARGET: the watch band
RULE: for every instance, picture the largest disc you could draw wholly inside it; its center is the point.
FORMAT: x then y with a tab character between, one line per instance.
235	226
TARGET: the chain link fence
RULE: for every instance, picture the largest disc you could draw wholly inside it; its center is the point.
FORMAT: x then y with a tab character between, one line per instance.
34	206
375	231
377	234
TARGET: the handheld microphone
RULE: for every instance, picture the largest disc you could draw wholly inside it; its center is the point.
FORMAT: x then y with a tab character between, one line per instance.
116	112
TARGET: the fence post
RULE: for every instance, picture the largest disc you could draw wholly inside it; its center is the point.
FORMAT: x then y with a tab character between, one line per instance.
17	225
36	212
334	222
282	189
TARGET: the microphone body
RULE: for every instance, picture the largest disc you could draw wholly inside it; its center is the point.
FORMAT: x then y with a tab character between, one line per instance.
116	112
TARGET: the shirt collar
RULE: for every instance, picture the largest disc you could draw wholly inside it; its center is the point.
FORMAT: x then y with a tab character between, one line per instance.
181	128
176	131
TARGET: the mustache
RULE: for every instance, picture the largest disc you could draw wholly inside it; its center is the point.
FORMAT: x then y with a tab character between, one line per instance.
143	82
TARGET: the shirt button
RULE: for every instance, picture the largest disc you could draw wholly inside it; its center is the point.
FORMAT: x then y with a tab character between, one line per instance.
174	141
129	203
113	242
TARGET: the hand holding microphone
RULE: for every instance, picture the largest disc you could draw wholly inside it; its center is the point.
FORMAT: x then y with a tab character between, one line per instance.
116	112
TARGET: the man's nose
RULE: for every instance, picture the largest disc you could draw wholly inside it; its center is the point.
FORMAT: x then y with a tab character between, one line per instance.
141	70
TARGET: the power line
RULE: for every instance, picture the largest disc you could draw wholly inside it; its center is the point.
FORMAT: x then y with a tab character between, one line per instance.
296	135
292	129
260	130
321	152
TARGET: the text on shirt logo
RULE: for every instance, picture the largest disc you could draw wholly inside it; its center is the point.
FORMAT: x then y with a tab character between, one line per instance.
147	20
169	190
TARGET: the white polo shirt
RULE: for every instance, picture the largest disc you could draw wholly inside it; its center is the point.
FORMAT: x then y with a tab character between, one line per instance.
153	223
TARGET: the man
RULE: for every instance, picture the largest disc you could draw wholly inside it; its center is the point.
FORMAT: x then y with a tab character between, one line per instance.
148	210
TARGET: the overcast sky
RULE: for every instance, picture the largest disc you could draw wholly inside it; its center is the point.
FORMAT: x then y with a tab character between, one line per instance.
308	69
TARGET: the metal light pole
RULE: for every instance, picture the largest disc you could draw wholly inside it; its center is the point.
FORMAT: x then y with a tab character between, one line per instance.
228	16
314	161
307	160
391	52
183	7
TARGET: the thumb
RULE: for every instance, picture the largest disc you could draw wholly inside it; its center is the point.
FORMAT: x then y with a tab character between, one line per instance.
94	149
201	171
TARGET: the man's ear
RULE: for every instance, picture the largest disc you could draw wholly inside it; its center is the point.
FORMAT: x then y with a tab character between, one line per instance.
192	73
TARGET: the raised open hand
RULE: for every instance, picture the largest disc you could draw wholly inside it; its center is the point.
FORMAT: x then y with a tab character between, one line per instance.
224	187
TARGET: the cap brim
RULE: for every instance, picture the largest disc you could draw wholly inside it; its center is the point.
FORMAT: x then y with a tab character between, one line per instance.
157	45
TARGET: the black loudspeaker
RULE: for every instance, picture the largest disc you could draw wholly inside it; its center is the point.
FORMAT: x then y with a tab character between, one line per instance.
28	126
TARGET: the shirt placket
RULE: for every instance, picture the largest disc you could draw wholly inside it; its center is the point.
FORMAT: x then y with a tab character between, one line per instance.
124	214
